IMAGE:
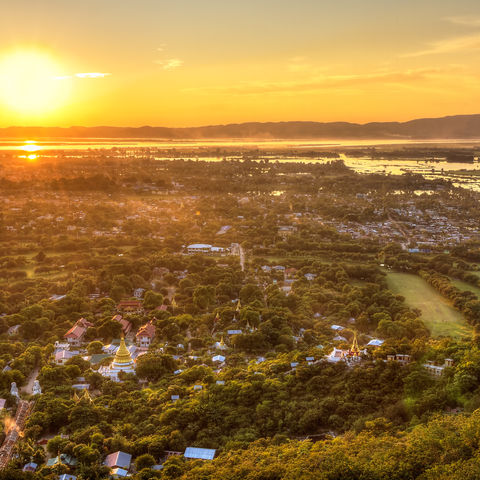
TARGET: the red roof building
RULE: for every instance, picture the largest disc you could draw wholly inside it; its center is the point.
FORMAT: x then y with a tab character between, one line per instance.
126	325
75	335
145	334
130	306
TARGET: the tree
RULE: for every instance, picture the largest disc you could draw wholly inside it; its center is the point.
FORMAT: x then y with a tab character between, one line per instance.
144	461
251	292
153	367
94	347
204	296
152	300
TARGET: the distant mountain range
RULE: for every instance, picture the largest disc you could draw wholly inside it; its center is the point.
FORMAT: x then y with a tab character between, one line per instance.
454	127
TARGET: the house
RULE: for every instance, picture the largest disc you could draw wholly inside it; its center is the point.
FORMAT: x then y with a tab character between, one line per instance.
290	272
119	473
286	230
118	460
218	358
62	356
399	357
56	298
63	458
130	306
76	334
66	476
138	293
199	248
375	342
200	453
234	332
437	370
126	325
205	248
13	330
145	335
29	467
335	356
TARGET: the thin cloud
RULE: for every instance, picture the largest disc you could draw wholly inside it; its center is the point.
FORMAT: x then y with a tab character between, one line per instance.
299	64
92	75
170	63
463	43
468	21
324	82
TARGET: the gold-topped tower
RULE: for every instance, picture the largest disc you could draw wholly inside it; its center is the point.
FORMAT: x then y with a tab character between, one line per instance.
122	362
123	356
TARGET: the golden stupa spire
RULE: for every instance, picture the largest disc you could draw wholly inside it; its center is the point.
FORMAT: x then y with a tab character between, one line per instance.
354	350
222	343
123	357
86	396
238	306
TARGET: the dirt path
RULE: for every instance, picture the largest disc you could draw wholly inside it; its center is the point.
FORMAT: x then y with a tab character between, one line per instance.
28	387
238	250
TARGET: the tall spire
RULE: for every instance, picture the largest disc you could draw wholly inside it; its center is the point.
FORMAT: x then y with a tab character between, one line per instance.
354	350
122	357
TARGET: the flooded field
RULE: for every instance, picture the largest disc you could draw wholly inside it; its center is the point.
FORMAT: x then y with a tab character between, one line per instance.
465	175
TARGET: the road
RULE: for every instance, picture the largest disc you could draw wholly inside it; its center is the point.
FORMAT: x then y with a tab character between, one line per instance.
238	250
403	230
28	387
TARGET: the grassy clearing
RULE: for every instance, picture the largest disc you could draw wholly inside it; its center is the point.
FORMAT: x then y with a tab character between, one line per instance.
466	287
437	313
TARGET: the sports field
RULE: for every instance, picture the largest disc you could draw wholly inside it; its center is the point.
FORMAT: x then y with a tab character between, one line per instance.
437	312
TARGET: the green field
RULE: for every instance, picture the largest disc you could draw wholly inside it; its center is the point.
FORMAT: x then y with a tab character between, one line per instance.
466	287
437	313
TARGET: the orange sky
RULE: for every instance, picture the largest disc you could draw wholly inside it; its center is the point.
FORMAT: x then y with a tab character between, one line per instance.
187	62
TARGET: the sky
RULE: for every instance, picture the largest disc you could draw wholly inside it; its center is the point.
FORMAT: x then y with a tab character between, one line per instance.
203	62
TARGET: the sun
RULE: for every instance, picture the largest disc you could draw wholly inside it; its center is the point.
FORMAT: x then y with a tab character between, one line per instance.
30	82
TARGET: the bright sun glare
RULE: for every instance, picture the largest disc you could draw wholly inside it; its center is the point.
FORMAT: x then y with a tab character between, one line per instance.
29	82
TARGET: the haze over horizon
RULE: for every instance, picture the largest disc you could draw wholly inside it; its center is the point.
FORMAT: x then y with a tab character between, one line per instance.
210	63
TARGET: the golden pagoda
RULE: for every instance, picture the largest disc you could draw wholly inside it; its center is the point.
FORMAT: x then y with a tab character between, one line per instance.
122	357
86	396
354	350
122	362
238	306
221	345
